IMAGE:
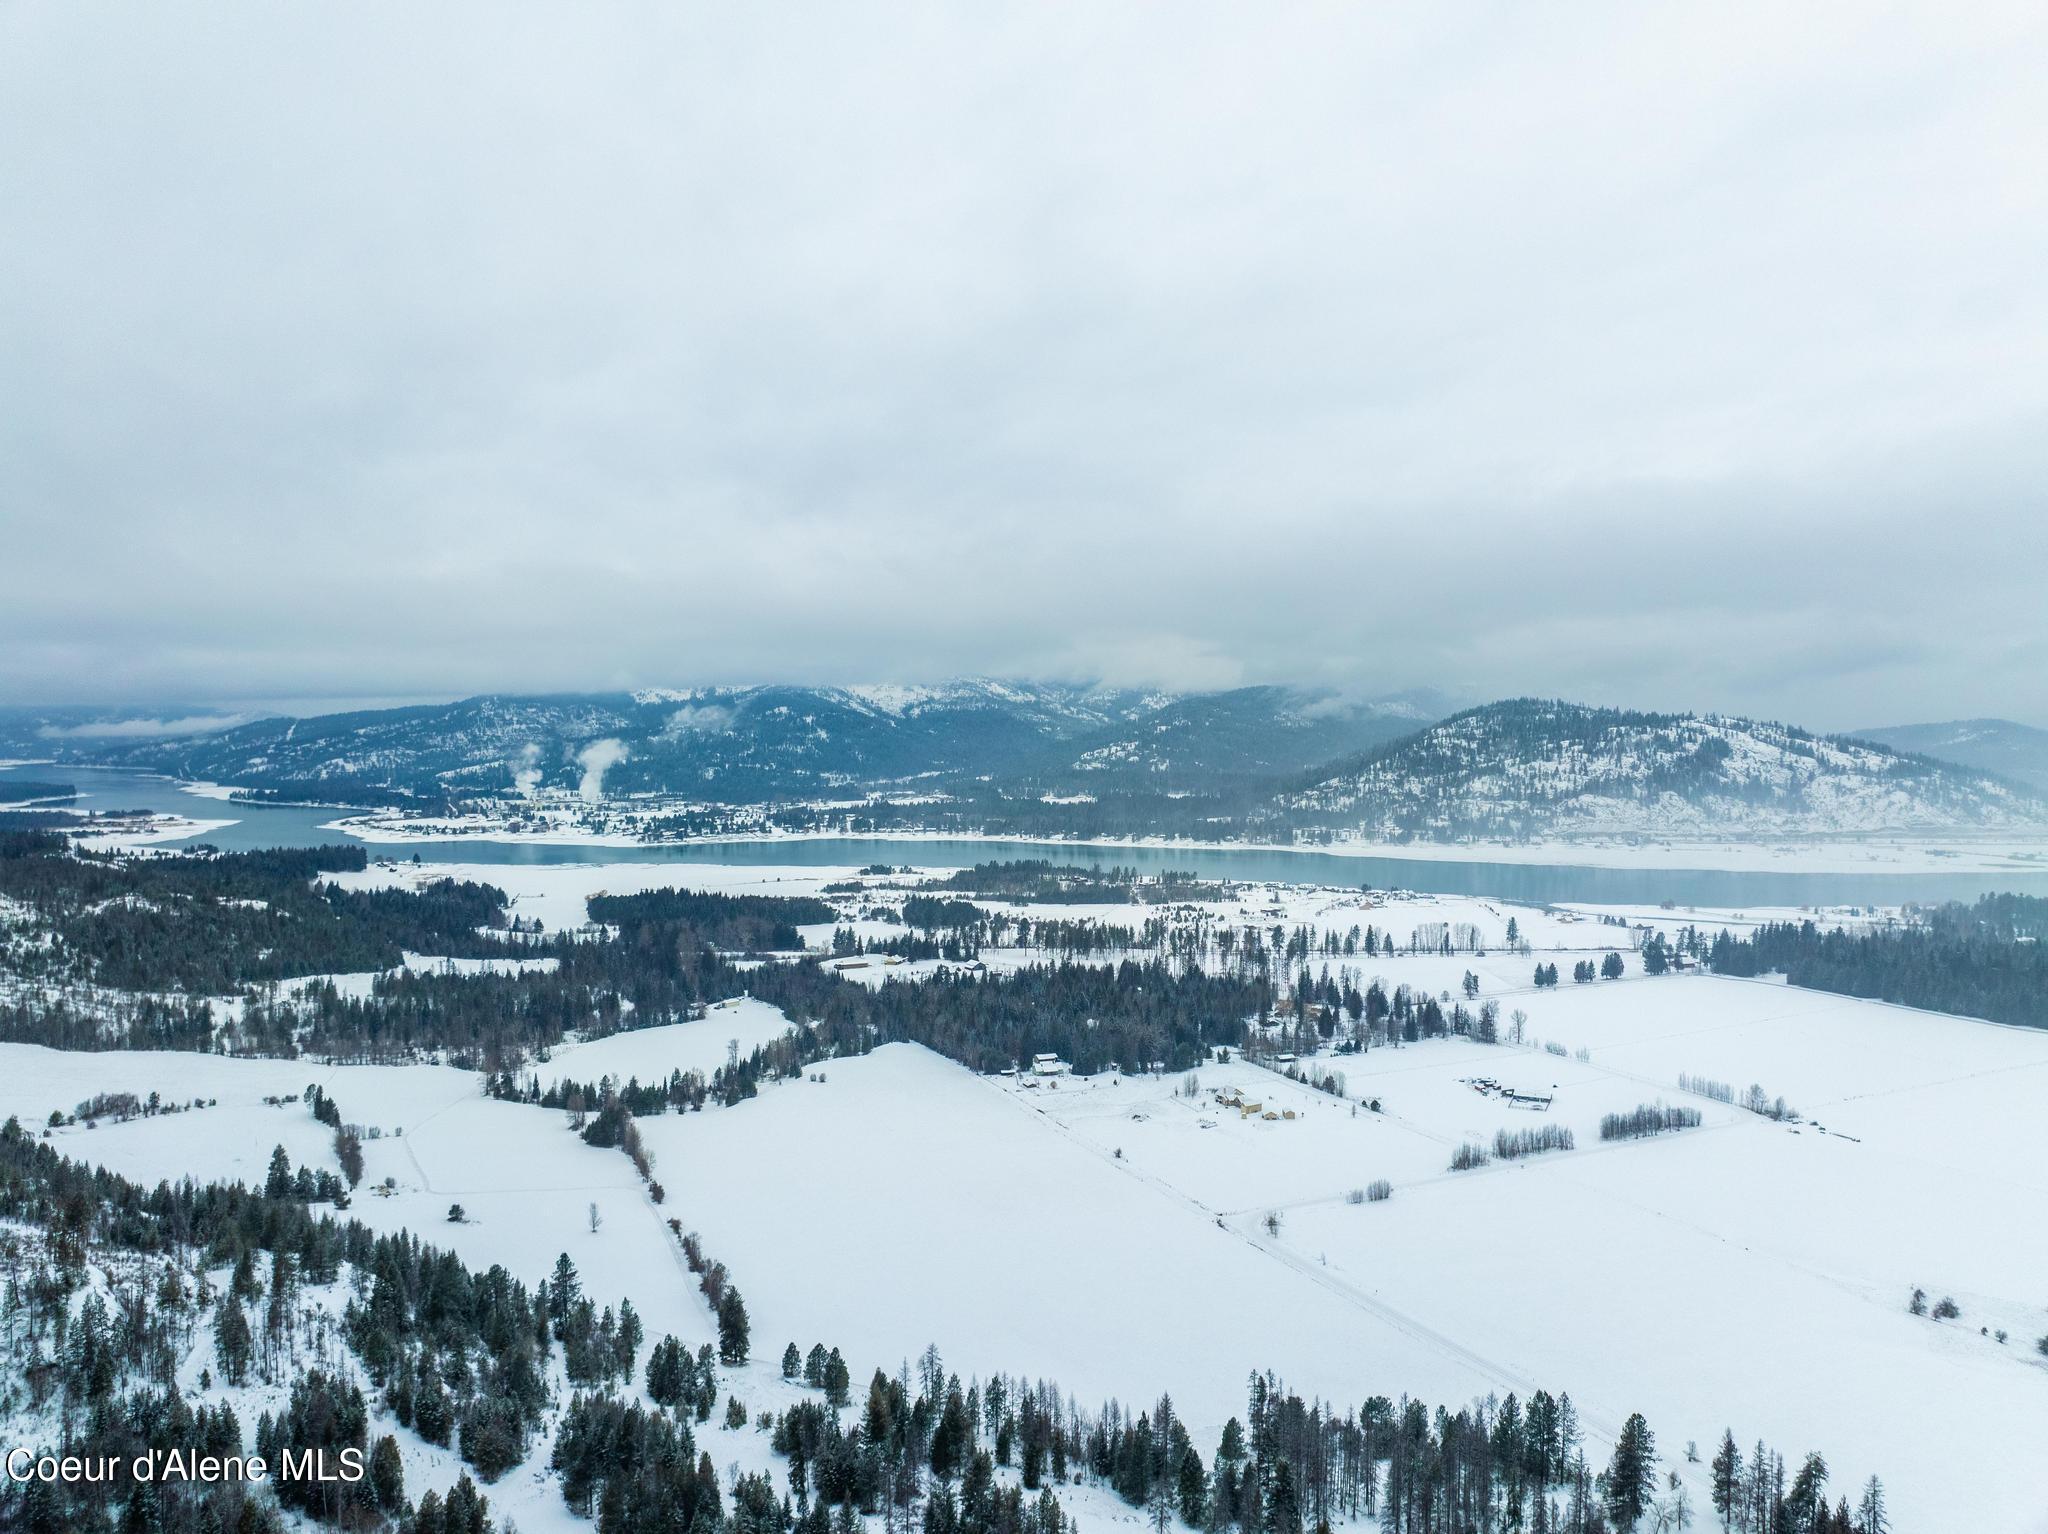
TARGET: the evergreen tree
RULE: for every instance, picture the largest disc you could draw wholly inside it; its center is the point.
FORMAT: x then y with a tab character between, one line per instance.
278	1184
1656	958
667	1366
387	1476
1194	1488
732	1328
40	1512
1632	1473
626	1339
1283	1504
1727	1473
1807	1503
564	1290
838	1380
231	1340
952	1436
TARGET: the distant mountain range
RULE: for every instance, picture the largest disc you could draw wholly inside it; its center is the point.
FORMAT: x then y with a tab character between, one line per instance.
2015	751
1035	758
755	744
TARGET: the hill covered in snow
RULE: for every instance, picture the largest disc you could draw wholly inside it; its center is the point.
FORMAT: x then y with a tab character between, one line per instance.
1248	736
2015	751
1531	768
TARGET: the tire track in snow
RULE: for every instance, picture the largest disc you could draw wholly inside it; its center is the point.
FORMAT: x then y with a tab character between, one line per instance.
427	1183
1537	1164
1595	1423
1500	1375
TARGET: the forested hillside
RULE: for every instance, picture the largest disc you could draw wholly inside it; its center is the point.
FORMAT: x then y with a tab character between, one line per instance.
746	745
1535	768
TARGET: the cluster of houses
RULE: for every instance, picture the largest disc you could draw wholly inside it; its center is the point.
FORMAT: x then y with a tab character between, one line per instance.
1486	1086
1249	1108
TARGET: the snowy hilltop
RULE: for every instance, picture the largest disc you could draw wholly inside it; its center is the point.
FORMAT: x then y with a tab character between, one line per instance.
2015	751
1532	768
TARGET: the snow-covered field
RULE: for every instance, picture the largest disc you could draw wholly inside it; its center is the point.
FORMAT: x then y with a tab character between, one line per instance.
904	1201
1112	1233
523	1178
651	1054
1231	1162
1744	1274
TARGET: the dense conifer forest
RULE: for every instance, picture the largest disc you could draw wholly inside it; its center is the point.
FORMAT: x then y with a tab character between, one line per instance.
695	918
1986	960
24	790
209	923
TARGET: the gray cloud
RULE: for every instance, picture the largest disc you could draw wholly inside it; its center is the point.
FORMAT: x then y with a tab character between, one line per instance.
1664	358
141	729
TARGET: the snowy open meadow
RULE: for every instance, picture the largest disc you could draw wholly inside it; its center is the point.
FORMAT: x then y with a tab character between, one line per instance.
1130	1233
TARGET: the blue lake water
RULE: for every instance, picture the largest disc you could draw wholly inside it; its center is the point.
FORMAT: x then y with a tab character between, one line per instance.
300	826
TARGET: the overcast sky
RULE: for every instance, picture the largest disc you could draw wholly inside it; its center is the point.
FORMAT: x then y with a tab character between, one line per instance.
1660	355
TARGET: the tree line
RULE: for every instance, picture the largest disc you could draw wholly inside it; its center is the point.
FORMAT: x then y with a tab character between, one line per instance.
209	923
459	1356
1987	960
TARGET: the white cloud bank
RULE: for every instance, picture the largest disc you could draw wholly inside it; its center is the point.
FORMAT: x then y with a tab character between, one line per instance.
1682	356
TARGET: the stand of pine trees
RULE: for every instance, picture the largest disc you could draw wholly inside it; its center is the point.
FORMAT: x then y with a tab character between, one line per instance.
460	1357
1987	960
923	1452
211	923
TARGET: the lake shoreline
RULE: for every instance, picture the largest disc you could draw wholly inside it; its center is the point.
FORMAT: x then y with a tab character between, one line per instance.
1876	855
1721	875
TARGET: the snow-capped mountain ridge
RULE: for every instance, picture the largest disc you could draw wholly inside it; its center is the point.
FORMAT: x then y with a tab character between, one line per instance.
757	743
